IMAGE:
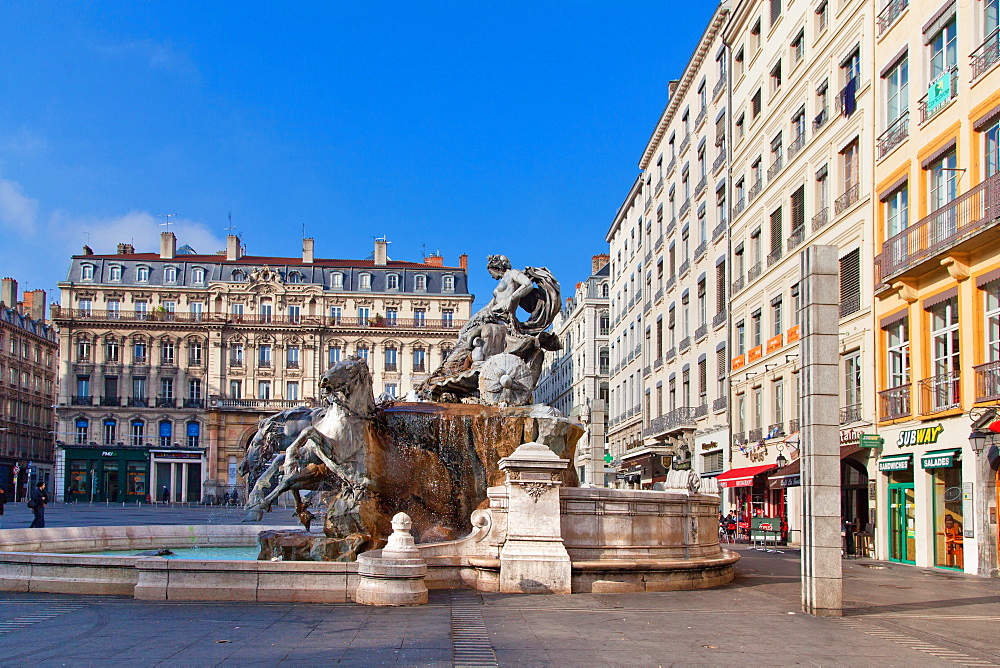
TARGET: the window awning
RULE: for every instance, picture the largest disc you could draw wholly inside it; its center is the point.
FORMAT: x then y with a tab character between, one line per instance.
895	462
937	459
743	477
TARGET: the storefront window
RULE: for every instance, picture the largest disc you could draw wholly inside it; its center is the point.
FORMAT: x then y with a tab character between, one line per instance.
137	479
77	477
948	519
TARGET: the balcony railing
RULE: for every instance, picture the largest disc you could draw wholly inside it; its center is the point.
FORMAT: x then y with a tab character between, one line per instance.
700	118
739	206
821	218
700	250
720	161
684	144
719	319
756	435
671	166
738	284
649	203
685	343
684	268
844	202
889	15
166	402
739	438
940	393
701	410
700	187
671	282
754	272
658	362
821	118
604	369
138	402
840	104
987	381
672	353
675	420
986	55
659	186
82	400
719	404
850	304
719	230
646	370
647	307
111	401
793	425
951	78
659	243
775	430
973	211
755	189
671	226
894	403
775	167
797	145
774	256
194	403
701	332
685	207
224	403
719	87
850	413
894	135
796	237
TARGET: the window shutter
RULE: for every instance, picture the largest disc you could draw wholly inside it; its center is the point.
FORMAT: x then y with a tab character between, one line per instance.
720	287
850	283
776	236
798	208
721	362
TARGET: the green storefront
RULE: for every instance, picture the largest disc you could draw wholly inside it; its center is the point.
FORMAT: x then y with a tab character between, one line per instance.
106	473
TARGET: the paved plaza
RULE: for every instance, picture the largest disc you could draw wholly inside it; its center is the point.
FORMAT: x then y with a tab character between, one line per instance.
896	615
17	515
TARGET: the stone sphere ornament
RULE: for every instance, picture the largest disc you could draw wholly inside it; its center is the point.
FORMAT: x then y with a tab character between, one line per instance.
505	379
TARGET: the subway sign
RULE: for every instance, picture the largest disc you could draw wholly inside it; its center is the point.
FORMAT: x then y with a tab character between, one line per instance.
922	436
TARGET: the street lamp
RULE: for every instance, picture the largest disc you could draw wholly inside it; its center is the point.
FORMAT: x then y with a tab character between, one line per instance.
977	440
781	461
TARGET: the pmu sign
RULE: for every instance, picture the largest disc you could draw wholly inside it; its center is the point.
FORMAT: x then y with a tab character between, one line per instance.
922	436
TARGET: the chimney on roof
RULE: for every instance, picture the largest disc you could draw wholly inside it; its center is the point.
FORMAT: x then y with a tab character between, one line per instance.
672	88
8	292
598	261
463	261
34	304
308	251
126	249
434	260
168	245
233	248
381	251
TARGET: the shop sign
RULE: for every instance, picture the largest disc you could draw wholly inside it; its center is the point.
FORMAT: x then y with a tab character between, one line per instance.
739	362
795	333
922	436
176	455
107	453
937	460
871	441
755	354
792	481
774	343
939	92
894	464
849	436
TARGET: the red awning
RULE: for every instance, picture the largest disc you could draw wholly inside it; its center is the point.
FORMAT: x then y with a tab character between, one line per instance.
743	477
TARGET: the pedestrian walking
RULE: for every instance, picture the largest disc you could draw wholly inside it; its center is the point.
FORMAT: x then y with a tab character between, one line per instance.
166	494
36	501
3	499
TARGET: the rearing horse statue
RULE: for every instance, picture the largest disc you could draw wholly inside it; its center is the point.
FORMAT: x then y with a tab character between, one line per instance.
329	454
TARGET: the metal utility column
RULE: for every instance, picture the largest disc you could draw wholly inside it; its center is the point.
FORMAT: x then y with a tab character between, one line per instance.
819	451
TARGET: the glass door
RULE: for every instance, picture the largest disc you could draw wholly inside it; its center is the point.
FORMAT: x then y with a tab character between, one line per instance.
902	524
111	484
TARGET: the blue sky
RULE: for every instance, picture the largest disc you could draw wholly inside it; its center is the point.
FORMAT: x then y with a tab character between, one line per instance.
509	127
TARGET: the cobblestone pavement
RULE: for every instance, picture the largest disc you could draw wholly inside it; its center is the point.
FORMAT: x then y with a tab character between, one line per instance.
895	616
17	515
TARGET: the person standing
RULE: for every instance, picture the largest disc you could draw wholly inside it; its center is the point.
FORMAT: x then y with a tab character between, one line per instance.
37	501
3	499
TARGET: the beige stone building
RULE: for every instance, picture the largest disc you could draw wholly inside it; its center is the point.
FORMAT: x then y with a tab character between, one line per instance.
803	103
669	283
181	354
937	282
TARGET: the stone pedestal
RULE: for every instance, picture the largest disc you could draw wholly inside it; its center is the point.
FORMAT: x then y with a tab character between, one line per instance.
395	574
533	559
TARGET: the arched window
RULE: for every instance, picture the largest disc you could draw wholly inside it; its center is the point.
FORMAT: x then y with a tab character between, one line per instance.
110	431
115	273
448	284
193	434
337	281
142	274
392	282
87	272
294	276
170	275
365	282
137	432
420	282
166	433
198	275
239	276
82	430
604	290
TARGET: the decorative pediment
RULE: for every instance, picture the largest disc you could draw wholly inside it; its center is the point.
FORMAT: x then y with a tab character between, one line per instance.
170	296
197	297
364	302
114	295
392	302
264	275
85	294
421	303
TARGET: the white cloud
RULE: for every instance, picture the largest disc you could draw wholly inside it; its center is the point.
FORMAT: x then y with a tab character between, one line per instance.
158	55
142	230
17	211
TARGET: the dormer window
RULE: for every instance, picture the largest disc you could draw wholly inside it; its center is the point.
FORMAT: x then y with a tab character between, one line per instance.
449	284
239	276
87	272
142	274
420	282
365	282
198	275
115	273
392	282
295	276
337	281
170	275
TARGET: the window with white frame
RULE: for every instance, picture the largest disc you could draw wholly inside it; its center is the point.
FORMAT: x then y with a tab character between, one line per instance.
945	356
420	282
110	431
142	274
392	281
115	272
87	272
852	387
198	275
448	283
170	275
137	432
292	357
337	281
264	389
333	355
365	282
992	313
991	146
897	81
897	339
943	47
292	390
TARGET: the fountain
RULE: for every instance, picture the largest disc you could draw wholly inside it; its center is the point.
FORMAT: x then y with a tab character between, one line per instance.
472	485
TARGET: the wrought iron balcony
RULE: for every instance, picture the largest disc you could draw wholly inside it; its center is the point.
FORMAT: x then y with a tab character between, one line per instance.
793	425
649	256
676	420
658	362
894	135
699	189
647	307
821	218
986	55
720	162
166	402
671	226
604	370
796	237
719	230
719	319
701	332
700	118
685	343
987	381
659	295
138	402
755	189
739	438
194	403
821	118
894	403
719	404
844	202
649	203
671	282
684	144
684	268
850	305
738	284
889	15
774	256
850	413
775	430
755	435
685	207
775	167
940	393
957	222
659	186
719	87
797	145
700	250
754	272
671	166
927	113
647	370
701	410
672	353
111	401
659	243
739	206
82	400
